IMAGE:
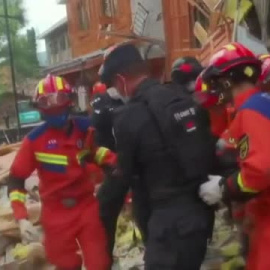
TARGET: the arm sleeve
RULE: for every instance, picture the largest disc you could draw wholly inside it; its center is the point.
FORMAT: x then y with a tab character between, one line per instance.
126	150
102	156
254	176
22	167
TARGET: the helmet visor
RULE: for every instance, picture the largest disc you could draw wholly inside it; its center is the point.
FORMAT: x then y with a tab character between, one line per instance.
54	100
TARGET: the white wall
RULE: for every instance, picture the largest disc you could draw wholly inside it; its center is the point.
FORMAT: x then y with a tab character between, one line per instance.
154	25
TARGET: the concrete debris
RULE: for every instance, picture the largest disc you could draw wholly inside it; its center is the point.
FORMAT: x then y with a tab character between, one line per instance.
224	251
13	254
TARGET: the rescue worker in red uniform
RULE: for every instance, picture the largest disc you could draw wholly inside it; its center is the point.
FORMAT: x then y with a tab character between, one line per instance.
264	82
217	113
234	71
58	150
220	115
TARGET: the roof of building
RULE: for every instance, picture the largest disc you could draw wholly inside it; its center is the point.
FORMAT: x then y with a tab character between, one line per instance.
53	28
93	59
86	61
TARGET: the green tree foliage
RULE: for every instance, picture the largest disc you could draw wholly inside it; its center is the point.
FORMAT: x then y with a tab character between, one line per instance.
16	21
23	45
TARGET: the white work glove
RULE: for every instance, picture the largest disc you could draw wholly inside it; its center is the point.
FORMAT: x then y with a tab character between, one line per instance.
211	191
28	232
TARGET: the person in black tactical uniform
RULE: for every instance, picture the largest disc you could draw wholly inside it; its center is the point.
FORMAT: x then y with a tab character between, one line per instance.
104	103
185	71
111	194
164	139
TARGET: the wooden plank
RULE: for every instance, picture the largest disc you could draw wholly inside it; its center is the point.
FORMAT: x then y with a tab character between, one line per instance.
8	225
6	149
214	21
219	38
212	5
200	33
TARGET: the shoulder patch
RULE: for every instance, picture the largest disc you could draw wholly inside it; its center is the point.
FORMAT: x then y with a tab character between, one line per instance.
37	132
243	147
259	103
82	123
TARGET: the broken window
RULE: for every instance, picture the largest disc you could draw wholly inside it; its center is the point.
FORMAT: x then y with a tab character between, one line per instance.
140	19
109	8
53	47
83	14
200	24
62	43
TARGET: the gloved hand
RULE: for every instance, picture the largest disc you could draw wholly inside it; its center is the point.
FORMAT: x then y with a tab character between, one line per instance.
28	232
211	191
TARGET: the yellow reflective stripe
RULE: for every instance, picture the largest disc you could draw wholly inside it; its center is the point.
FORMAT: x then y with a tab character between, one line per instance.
230	47
242	186
52	159
82	154
204	87
41	87
59	83
17	196
100	154
51	155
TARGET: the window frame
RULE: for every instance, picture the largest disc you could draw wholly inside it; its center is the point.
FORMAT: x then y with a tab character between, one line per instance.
83	15
112	8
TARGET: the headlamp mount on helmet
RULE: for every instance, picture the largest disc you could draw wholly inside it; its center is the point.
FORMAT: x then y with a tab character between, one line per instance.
220	88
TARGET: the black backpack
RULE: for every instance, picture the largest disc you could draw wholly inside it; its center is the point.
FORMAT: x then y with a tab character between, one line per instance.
184	128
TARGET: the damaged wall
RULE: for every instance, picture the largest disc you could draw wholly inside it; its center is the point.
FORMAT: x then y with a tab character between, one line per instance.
152	10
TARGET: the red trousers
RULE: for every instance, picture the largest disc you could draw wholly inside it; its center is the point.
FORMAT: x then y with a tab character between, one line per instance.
259	236
70	230
259	250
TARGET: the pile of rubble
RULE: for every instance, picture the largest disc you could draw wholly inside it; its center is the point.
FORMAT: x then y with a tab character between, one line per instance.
223	251
13	254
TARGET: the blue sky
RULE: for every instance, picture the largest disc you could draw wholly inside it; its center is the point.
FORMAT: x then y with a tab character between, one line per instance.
41	14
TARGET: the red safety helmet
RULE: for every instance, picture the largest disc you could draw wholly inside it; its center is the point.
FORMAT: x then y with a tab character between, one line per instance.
202	95
232	64
53	94
264	81
99	88
230	57
210	100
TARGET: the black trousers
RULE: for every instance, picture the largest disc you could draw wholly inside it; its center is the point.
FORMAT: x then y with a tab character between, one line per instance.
111	196
178	236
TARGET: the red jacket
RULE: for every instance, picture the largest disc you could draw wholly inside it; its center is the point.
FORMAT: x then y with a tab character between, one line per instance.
219	120
250	129
58	158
